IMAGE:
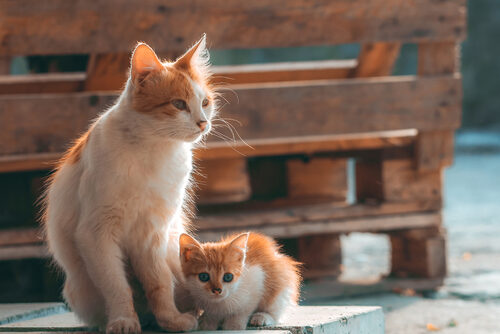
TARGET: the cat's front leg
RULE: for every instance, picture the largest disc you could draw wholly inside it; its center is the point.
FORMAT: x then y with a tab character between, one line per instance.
209	323
103	261
236	322
259	319
157	280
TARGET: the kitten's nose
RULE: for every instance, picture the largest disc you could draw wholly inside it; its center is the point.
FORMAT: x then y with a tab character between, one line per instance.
217	291
202	125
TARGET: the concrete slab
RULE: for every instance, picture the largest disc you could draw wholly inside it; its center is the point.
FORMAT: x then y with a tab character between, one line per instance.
298	320
16	312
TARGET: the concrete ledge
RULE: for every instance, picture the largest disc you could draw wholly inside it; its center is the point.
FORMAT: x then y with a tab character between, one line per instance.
297	320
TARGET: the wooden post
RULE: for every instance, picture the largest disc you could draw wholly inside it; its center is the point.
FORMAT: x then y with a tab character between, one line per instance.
376	59
321	256
420	253
107	71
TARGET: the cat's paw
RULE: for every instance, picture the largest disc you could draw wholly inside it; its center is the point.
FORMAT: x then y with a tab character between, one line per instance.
262	319
123	325
184	322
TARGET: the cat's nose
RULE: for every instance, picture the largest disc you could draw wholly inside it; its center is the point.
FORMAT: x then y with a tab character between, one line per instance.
202	125
217	291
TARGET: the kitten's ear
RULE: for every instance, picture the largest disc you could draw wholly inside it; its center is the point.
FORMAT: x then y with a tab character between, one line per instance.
187	245
144	61
240	242
196	56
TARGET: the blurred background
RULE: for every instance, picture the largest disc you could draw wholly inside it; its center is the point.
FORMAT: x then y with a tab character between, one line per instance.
469	300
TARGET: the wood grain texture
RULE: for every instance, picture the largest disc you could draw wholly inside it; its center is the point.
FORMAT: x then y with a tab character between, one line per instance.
308	227
47	123
103	26
319	178
108	71
376	59
438	58
434	150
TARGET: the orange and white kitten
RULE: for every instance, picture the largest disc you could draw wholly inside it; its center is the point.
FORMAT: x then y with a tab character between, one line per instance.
117	197
239	280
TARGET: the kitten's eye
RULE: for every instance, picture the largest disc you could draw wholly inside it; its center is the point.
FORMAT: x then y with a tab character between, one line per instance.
179	104
228	277
204	277
205	102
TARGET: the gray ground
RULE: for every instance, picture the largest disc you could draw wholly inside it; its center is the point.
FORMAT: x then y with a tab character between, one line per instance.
470	300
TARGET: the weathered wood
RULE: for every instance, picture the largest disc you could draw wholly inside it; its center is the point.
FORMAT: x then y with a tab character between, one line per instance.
44	27
222	181
304	226
376	59
20	236
403	182
47	123
319	178
107	71
5	62
438	58
113	75
301	213
321	256
421	256
434	150
369	183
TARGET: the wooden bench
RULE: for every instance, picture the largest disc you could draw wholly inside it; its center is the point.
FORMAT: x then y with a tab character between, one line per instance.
301	122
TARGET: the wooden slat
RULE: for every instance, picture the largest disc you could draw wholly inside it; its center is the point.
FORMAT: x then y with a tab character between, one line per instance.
47	123
107	71
65	27
318	178
376	59
434	149
309	145
23	252
20	236
317	212
221	181
307	227
5	62
104	74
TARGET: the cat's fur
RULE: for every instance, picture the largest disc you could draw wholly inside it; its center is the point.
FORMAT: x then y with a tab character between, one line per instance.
264	282
117	196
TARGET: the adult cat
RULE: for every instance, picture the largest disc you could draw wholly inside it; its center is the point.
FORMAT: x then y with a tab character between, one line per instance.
117	196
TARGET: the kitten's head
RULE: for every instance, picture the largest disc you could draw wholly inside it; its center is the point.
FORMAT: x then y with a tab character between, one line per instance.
175	98
212	270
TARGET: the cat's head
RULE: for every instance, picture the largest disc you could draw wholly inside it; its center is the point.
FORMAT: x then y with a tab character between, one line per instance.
175	99
212	270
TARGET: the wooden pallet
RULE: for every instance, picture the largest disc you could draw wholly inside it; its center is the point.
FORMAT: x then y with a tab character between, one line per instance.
302	121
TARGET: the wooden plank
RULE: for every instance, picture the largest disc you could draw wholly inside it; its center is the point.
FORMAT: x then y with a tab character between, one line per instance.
321	256
222	181
108	71
402	182
376	59
20	236
300	213
5	62
41	83
308	145
47	123
104	74
23	252
44	27
305	226
419	256
434	150
319	178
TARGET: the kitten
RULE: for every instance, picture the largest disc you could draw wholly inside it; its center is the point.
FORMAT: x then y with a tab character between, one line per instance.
117	196
239	280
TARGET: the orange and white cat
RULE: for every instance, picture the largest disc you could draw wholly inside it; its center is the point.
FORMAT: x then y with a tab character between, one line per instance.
240	280
118	194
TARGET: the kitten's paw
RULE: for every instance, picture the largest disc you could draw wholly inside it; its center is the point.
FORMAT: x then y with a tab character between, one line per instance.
123	325
184	322
262	319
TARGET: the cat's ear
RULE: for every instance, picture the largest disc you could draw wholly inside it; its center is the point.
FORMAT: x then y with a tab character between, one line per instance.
187	246
240	242
144	61
196	56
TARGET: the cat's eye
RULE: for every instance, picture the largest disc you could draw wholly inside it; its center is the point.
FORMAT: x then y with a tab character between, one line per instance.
179	104
205	102
228	277
204	277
